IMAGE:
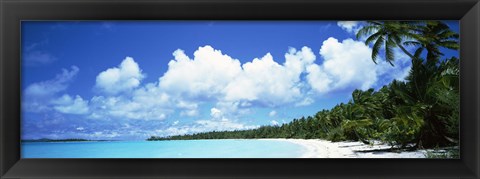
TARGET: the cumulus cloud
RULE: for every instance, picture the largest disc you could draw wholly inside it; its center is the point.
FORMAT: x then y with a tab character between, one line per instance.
124	97
235	108
214	75
66	104
269	83
119	79
346	65
203	76
134	100
349	26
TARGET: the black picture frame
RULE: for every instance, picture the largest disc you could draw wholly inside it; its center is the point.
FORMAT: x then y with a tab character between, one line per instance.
12	12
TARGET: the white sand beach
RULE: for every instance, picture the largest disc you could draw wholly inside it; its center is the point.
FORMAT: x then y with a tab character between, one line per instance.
316	148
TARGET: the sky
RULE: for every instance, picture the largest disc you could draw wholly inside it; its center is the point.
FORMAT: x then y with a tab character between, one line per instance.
129	80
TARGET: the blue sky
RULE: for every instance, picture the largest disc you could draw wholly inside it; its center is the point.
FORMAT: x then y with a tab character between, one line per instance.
130	80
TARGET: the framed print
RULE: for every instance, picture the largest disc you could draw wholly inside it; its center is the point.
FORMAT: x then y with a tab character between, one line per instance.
245	89
350	99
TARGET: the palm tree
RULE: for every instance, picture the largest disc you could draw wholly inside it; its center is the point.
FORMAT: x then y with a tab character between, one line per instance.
420	96
431	36
388	33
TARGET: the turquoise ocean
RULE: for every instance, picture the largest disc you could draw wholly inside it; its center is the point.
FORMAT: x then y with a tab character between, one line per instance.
228	148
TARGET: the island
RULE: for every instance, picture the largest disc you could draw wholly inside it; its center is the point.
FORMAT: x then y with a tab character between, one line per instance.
62	140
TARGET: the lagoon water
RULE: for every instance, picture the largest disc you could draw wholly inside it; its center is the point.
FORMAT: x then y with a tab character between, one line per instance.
229	148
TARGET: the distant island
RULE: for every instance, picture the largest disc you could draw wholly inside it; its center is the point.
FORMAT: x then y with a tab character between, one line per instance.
60	140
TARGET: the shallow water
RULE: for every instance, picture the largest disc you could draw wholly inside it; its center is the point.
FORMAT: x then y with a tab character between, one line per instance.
229	148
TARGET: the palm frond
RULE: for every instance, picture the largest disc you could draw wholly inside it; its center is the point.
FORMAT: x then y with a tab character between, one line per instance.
450	44
389	55
418	52
373	37
376	48
448	34
412	43
366	30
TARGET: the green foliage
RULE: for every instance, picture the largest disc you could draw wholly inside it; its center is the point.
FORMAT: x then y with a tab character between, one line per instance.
357	129
402	130
387	34
336	134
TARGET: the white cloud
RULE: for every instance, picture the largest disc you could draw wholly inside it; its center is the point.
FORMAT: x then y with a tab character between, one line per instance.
269	83
105	134
235	108
214	75
145	102
150	95
204	126
218	122
203	76
189	113
36	97
216	113
305	102
68	105
187	108
346	64
272	113
349	26
274	122
172	131
126	98
50	87
122	107
119	79
219	125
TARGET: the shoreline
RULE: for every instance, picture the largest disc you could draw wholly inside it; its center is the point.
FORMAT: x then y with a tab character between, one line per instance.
317	148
